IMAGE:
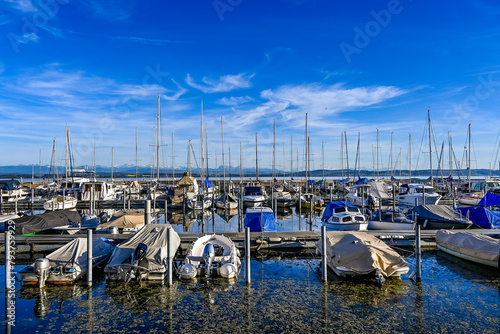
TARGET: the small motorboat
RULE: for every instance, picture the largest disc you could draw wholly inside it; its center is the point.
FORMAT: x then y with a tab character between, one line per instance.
145	256
60	202
260	219
343	216
470	246
390	220
209	256
226	201
351	254
125	220
67	264
436	217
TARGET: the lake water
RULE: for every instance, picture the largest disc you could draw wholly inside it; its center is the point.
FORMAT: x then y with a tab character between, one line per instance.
286	296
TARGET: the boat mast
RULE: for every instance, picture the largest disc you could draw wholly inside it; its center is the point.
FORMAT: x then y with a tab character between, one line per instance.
469	159
201	127
173	158
274	151
409	155
430	144
377	148
347	154
112	163
241	162
189	157
256	158
158	141
307	156
291	158
136	158
223	156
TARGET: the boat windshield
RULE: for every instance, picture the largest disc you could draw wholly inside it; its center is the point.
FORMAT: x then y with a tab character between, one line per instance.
427	190
252	191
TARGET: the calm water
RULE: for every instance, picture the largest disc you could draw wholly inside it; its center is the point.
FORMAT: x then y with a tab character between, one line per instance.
286	296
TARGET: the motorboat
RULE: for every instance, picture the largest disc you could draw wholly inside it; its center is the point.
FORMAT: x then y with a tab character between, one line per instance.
67	264
126	221
359	254
99	191
46	221
145	256
60	202
471	199
199	202
309	200
343	216
390	220
284	199
417	194
226	201
470	246
211	256
253	196
436	217
260	219
12	190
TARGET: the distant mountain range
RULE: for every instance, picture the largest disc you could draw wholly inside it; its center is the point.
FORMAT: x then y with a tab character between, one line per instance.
130	170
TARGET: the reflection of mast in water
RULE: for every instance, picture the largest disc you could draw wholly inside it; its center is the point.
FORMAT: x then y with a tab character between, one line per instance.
248	307
419	308
324	304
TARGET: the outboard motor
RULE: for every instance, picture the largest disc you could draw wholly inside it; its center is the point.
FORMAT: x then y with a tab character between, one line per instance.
103	217
139	254
42	267
208	257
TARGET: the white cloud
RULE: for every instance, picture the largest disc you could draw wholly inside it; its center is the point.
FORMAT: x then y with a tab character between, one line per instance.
22	5
234	100
225	83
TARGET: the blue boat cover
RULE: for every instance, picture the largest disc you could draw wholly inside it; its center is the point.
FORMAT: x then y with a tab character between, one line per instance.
253	220
207	183
363	180
328	212
481	216
490	199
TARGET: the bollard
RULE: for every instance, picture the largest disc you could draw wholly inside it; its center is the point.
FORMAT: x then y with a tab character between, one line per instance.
169	256
8	234
247	255
166	211
147	212
15	206
89	257
418	254
32	201
324	269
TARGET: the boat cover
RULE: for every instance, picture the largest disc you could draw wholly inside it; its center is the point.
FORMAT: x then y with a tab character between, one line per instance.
490	199
74	253
378	190
330	207
46	221
154	236
125	219
474	245
437	213
361	253
253	220
481	216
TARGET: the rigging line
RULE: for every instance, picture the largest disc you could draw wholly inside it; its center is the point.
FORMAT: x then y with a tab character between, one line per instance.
421	142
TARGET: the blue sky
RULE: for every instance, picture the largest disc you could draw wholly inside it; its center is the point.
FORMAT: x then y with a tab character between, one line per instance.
354	66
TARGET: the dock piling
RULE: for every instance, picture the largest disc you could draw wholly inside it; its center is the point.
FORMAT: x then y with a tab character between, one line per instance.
33	201
418	253
247	255
147	212
89	257
169	256
8	234
324	269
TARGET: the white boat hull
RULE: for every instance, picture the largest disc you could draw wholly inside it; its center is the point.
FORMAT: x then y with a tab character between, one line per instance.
385	225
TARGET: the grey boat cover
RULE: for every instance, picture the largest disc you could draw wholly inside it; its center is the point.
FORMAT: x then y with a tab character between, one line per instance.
361	253
377	189
437	213
474	245
74	253
125	219
46	221
154	236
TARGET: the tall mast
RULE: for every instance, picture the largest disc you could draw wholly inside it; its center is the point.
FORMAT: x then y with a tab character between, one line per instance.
391	168
241	162
223	157
307	156
409	155
323	157
430	144
346	154
112	163
256	158
136	158
342	153
158	141
468	160
201	126
377	148
284	169
291	157
450	149
173	158
206	151
274	151
229	162
357	165
189	157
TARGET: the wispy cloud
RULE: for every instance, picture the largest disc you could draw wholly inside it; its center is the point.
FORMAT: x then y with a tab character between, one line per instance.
225	83
22	5
111	9
27	38
234	100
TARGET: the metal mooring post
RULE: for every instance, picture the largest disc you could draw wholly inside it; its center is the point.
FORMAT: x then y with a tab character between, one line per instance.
33	201
8	234
247	255
169	255
418	253
324	269
147	212
89	257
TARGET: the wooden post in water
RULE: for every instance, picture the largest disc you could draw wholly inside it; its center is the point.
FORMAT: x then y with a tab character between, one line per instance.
147	212
324	269
169	255
89	257
247	255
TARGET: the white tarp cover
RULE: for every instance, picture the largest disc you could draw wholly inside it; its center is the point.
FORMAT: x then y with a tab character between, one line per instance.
475	245
154	236
378	190
125	219
361	253
74	253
